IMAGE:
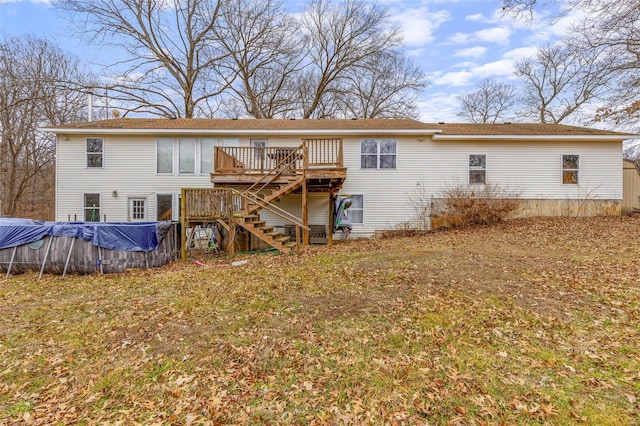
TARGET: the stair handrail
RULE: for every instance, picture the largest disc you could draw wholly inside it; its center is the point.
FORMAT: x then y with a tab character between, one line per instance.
280	168
272	208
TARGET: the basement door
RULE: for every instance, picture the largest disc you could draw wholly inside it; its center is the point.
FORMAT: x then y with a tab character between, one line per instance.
137	209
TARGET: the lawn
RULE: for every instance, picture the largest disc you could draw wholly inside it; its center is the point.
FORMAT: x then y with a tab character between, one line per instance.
533	321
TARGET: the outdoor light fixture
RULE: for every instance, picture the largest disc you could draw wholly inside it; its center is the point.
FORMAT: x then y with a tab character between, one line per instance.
114	194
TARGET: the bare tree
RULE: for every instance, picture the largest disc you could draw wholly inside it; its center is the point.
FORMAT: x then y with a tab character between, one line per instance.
528	7
384	86
491	102
339	38
188	58
560	80
609	31
614	27
172	52
264	47
37	83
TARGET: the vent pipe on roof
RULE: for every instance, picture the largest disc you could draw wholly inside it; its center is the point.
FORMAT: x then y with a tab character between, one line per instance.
89	107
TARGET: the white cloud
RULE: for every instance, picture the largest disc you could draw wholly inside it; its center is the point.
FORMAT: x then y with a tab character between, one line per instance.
464	65
498	35
440	106
419	24
499	68
521	53
471	52
479	17
30	1
459	38
457	78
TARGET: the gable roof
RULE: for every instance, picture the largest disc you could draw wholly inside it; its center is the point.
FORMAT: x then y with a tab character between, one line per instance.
440	131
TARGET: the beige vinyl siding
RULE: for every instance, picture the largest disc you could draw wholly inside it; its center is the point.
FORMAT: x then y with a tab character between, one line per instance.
129	168
531	169
384	191
534	169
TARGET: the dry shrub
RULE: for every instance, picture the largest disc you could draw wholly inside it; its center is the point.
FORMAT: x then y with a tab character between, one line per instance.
474	205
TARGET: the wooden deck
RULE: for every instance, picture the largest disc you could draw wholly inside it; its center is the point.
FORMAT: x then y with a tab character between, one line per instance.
320	161
250	179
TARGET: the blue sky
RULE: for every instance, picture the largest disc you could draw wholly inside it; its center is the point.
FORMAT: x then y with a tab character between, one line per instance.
456	42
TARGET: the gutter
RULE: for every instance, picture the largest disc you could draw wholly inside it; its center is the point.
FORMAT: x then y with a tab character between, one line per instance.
554	138
241	132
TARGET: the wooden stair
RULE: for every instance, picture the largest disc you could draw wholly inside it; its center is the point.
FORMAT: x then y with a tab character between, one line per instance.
259	196
266	233
280	191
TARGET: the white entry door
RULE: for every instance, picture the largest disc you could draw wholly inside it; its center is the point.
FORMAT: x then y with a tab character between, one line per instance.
137	209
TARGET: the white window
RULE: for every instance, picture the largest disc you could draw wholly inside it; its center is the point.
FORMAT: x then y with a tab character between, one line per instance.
137	209
378	153
355	213
92	207
570	169
259	146
207	147
95	148
477	168
164	149
187	156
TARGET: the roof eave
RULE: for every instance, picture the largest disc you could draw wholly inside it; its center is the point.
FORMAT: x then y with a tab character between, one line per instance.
567	138
241	132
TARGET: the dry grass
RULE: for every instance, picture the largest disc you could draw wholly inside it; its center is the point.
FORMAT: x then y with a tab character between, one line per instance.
526	322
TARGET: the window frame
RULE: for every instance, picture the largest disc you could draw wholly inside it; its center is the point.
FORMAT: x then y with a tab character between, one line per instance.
352	209
131	200
86	209
92	153
570	170
471	168
193	143
171	143
379	154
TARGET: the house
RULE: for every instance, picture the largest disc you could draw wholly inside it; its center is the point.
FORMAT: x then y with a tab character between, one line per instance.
138	169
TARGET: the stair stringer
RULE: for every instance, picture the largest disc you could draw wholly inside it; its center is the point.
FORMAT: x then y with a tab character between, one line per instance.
274	196
261	230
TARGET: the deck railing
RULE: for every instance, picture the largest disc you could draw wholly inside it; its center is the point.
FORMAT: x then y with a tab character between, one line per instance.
323	152
320	153
254	159
210	203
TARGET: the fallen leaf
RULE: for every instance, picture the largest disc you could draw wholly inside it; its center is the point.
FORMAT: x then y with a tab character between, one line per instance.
184	380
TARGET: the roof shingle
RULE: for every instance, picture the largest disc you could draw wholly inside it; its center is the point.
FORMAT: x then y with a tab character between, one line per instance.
462	129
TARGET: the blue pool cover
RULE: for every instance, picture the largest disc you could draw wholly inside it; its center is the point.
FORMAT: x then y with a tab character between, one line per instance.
126	236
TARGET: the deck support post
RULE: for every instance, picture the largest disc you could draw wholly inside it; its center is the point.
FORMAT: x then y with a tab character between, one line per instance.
232	236
330	227
183	225
305	213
